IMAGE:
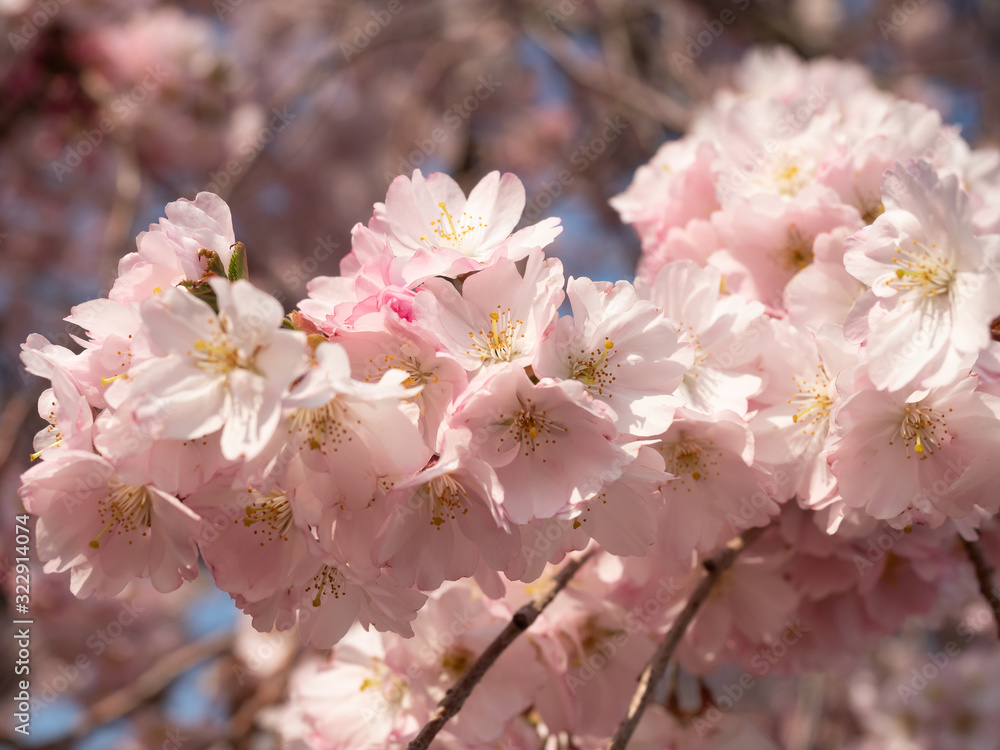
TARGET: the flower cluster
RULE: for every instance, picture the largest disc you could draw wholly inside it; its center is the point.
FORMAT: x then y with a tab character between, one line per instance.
868	230
808	347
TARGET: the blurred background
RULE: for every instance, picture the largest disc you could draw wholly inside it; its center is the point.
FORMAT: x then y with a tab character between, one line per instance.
299	113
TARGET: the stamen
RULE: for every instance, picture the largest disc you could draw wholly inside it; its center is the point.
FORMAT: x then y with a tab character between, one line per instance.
444	208
501	343
531	429
274	514
687	458
126	509
594	372
323	428
459	226
925	428
924	270
814	400
218	355
447	499
329	580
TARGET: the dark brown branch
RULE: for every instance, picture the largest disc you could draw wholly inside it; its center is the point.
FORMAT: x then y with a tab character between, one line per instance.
455	698
714	566
984	575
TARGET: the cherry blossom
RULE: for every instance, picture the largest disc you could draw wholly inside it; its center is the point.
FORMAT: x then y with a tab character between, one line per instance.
550	444
106	531
921	455
430	222
934	283
622	349
349	429
500	315
726	333
781	437
225	370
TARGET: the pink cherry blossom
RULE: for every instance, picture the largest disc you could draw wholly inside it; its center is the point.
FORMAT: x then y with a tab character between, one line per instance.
381	341
348	432
224	371
371	279
356	701
500	315
766	242
105	531
430	222
823	292
793	418
622	349
70	417
259	545
675	188
114	345
717	491
726	333
921	455
550	443
171	251
445	521
934	283
327	596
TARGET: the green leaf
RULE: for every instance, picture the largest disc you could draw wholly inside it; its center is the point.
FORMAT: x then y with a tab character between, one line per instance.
214	262
238	263
203	291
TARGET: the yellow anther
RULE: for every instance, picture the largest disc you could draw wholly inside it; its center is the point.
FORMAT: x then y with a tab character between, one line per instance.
454	232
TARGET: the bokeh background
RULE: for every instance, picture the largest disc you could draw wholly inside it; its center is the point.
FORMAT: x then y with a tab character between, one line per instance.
299	113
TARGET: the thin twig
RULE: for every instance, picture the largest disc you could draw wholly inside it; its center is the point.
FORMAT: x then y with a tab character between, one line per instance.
149	685
455	698
629	91
714	566
984	575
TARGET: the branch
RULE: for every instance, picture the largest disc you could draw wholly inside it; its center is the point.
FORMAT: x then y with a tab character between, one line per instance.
714	566
455	698
629	91
984	575
149	685
268	692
